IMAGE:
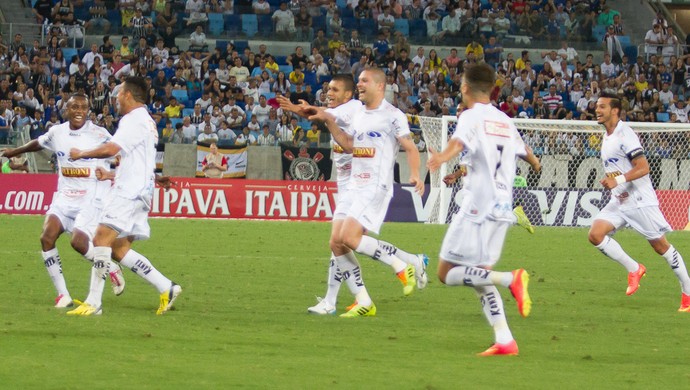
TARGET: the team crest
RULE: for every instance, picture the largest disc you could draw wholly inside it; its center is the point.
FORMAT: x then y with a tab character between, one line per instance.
304	166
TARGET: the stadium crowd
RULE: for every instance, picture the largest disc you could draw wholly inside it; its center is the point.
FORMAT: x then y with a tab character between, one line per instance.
227	92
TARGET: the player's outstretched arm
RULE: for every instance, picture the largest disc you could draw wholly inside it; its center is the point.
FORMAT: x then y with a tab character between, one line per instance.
304	109
165	181
532	159
108	149
437	158
413	162
342	138
103	174
31	146
451	178
640	168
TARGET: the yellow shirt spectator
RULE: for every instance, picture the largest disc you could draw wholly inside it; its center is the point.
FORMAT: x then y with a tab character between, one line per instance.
173	111
313	135
641	86
475	48
296	77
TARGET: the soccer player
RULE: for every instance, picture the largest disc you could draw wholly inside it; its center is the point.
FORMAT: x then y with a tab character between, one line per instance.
343	107
475	237
77	205
633	200
125	214
378	130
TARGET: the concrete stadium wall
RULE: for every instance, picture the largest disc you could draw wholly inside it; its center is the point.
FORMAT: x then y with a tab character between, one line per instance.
179	160
264	163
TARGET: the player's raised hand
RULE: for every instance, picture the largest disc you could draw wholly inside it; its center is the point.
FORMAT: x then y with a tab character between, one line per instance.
75	154
434	161
450	179
103	174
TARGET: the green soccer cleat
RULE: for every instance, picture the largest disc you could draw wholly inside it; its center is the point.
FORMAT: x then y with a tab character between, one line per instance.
522	219
407	278
360	311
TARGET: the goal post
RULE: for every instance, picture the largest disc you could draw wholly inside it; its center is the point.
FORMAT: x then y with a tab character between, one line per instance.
567	191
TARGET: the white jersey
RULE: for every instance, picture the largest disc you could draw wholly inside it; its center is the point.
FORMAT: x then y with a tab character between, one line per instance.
492	144
137	137
77	178
376	146
344	114
617	152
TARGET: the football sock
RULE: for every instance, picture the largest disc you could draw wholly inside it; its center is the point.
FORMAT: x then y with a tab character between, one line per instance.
51	259
335	279
89	253
476	277
492	304
370	247
349	267
675	260
408	258
141	266
613	250
101	255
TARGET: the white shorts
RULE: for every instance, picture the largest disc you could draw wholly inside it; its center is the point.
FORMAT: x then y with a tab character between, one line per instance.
76	213
340	212
128	217
367	208
648	221
474	244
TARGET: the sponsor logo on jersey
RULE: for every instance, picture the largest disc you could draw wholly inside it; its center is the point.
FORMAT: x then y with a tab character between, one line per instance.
338	149
498	129
374	134
75	172
612	160
363	152
613	174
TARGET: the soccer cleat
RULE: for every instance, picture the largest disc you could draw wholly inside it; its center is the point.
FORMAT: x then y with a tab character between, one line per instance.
407	278
351	306
168	298
85	310
420	272
117	280
519	290
322	308
509	349
360	311
684	303
522	219
63	301
634	279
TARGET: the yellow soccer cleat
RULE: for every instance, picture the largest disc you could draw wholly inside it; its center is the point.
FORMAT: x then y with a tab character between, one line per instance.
168	298
407	279
85	310
360	311
522	219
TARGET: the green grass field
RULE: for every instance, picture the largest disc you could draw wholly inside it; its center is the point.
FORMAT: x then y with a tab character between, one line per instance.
241	320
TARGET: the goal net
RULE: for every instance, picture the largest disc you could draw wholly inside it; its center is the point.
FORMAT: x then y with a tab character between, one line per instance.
567	191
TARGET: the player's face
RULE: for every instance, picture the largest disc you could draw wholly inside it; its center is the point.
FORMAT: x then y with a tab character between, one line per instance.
77	112
337	94
121	100
367	87
603	110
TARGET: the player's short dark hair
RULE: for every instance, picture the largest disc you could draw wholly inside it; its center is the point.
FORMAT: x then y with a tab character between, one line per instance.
137	87
480	78
79	95
347	80
614	99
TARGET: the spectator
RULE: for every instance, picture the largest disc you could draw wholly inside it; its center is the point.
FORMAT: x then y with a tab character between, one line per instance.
612	46
166	18
492	52
139	24
173	110
245	138
266	138
215	164
451	25
207	134
313	135
261	7
197	40
654	40
196	12
303	23
284	21
605	18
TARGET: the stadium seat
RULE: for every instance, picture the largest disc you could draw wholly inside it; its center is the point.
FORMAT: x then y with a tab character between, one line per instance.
233	25
570	106
216	24
220	44
630	51
180	95
403	26
417	28
175	121
350	23
318	22
250	25
115	19
280	60
346	12
68	53
265	25
342	4
194	95
663	116
285	69
240	45
187	112
368	28
598	32
624	40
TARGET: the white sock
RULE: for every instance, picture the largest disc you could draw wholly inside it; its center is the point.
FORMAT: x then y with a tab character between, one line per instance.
613	250
463	275
141	266
101	256
408	258
675	260
349	267
51	259
492	304
335	279
370	246
89	253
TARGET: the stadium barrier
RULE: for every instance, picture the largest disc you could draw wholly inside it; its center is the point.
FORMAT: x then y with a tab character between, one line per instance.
315	201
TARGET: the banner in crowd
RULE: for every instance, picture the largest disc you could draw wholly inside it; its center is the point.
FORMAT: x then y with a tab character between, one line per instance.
305	163
315	201
236	155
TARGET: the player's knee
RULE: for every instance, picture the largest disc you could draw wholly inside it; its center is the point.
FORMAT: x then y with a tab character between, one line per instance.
79	243
595	237
118	254
442	275
47	241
